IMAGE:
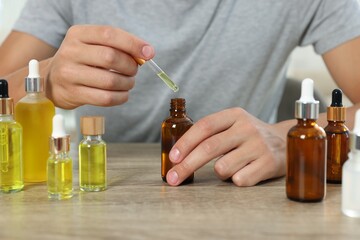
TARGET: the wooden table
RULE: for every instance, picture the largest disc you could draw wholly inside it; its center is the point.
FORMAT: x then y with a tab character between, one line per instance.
138	205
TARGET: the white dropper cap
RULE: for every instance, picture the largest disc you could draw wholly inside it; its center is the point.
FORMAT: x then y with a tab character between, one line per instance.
307	107
59	141
355	138
33	80
58	126
33	69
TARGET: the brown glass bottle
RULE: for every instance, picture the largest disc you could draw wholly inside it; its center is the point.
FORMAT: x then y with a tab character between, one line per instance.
306	151
338	138
172	129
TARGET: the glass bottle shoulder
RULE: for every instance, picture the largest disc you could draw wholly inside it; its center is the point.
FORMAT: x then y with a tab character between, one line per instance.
353	163
38	97
92	140
9	122
63	157
307	129
336	127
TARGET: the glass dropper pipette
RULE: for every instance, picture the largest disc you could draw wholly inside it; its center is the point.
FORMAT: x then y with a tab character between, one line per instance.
159	72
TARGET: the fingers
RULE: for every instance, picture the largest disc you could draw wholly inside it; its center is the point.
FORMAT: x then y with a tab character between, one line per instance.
94	65
93	86
227	165
112	37
106	58
248	150
98	78
200	131
254	172
201	143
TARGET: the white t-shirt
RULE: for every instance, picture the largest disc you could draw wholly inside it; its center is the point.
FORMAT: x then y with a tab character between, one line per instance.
221	53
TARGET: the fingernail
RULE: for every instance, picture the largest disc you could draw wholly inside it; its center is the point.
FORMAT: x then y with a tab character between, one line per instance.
147	51
172	178
174	155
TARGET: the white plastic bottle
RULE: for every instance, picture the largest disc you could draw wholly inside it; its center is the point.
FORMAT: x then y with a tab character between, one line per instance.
351	174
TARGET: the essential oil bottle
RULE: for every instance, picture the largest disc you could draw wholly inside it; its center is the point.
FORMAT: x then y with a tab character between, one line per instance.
92	155
350	203
11	172
338	139
35	112
59	166
172	129
306	150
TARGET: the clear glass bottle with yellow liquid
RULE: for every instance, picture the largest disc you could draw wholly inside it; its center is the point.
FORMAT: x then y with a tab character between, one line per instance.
92	155
11	175
59	164
35	112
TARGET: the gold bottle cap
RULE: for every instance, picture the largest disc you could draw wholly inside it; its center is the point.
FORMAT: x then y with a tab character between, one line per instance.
92	125
60	144
139	61
336	114
6	106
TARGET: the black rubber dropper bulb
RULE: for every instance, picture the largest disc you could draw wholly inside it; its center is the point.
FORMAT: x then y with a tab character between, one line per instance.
4	92
336	98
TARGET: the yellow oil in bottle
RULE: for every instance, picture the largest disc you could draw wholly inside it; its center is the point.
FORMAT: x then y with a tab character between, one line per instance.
92	166
11	178
60	185
35	112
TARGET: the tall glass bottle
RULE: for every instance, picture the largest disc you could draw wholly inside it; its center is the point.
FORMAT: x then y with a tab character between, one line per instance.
350	202
306	150
172	129
92	155
59	165
11	174
35	112
337	135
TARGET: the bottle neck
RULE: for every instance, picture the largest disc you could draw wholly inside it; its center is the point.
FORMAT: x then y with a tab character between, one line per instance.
60	155
307	122
177	107
6	118
93	138
336	123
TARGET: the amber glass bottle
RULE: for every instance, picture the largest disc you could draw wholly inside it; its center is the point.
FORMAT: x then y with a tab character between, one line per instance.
172	129
338	138
306	151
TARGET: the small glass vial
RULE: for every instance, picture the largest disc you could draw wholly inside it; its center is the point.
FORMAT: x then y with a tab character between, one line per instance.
92	155
59	166
350	203
11	171
306	151
338	139
172	129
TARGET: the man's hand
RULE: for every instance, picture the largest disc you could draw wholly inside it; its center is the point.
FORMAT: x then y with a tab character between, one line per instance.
247	150
94	65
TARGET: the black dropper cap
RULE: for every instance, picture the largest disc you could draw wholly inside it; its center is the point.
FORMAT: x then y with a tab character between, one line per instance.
336	111
4	90
336	98
6	103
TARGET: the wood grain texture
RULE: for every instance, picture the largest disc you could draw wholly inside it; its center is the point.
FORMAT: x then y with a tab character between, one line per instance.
138	205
